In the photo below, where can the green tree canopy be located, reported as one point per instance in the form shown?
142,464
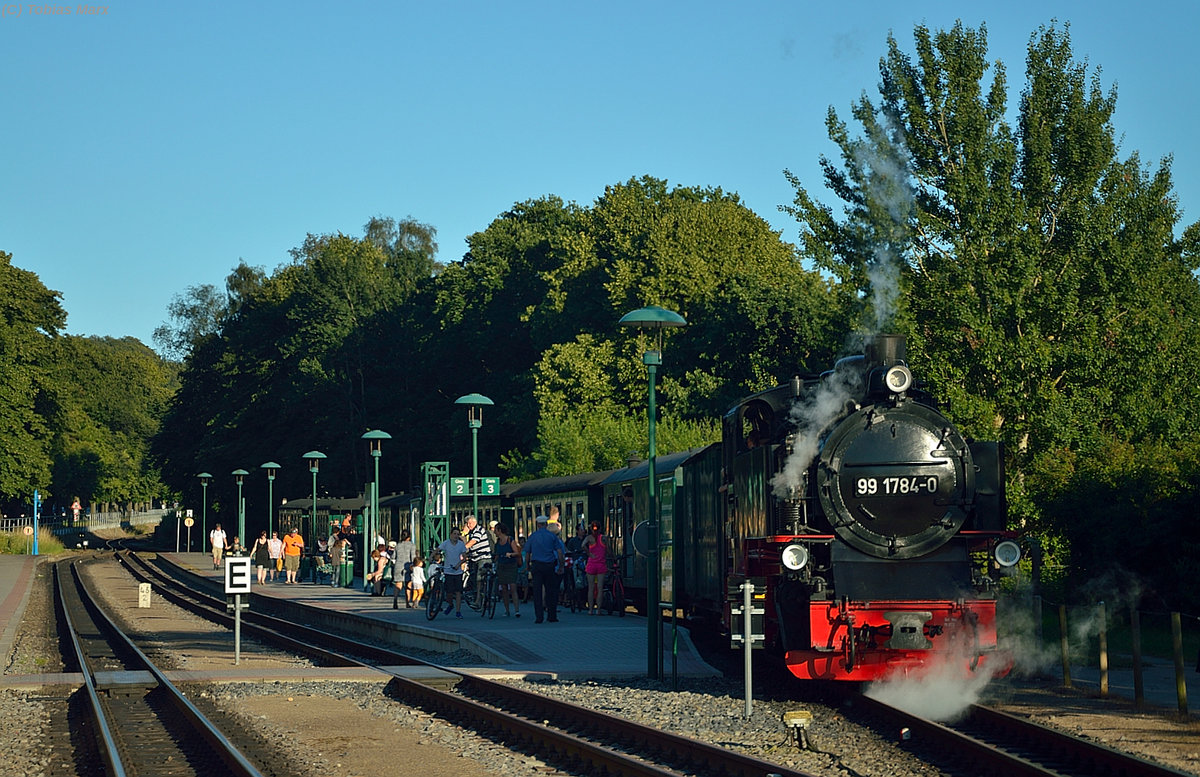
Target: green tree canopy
110,395
31,316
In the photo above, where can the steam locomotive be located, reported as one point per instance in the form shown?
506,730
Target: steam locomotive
875,528
872,529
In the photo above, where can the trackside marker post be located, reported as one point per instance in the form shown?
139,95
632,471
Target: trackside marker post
750,635
237,582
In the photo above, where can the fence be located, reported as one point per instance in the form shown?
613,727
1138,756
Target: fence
87,522
1086,634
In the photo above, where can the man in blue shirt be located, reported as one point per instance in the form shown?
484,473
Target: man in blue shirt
454,551
545,554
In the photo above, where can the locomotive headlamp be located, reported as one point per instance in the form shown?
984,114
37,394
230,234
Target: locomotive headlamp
898,379
1007,553
794,557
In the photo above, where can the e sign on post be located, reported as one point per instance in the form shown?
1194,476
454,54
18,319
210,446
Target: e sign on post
237,574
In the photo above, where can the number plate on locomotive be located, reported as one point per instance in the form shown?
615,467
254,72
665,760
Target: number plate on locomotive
914,485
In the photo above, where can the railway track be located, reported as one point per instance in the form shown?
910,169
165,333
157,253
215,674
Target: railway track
142,723
994,742
585,741
575,738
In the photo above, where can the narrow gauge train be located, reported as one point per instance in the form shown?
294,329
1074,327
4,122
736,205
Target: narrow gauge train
874,528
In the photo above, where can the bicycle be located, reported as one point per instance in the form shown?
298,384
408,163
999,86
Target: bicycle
489,592
612,597
485,603
435,593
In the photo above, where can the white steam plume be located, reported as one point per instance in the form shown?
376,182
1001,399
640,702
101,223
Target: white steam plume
884,165
811,417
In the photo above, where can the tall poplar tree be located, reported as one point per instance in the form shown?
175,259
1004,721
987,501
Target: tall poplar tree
1037,272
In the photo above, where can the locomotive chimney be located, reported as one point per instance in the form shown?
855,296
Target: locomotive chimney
884,350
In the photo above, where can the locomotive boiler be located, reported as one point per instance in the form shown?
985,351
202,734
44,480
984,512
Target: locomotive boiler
873,528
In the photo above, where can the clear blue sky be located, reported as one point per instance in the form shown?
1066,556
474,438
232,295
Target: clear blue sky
151,148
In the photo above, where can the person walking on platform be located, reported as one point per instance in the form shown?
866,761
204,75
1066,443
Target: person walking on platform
508,557
217,538
262,556
275,551
545,553
479,551
416,584
454,557
597,565
293,545
406,554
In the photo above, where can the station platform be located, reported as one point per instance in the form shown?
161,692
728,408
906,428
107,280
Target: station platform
577,646
16,580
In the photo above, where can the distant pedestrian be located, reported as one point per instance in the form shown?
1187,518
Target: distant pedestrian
545,554
405,555
508,558
275,551
416,582
379,564
293,546
597,565
337,557
216,538
479,551
454,558
262,556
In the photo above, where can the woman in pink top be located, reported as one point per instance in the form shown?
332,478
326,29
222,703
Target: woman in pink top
597,565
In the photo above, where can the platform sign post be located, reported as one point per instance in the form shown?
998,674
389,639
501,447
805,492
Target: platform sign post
237,582
189,522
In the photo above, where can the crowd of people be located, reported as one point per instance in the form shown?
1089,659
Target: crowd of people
540,560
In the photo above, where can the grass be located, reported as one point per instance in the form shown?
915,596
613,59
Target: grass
17,543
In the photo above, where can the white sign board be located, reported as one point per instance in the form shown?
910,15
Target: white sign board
143,594
237,574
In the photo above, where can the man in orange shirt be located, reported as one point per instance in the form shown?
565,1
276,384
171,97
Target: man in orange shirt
293,544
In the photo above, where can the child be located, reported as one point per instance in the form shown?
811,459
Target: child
416,586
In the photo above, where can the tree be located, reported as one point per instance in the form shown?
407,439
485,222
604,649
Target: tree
532,312
110,395
30,318
1037,273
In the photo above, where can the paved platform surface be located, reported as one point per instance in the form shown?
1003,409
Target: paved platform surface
16,579
578,645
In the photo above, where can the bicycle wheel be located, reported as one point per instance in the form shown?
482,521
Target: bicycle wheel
489,597
433,600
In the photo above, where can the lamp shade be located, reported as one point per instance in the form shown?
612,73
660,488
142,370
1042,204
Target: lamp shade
473,399
653,317
376,434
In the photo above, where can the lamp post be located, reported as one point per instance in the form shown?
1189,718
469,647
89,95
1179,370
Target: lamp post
475,404
270,467
375,438
655,319
314,463
204,478
240,474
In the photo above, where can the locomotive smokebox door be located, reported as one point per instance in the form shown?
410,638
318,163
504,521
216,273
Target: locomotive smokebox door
894,480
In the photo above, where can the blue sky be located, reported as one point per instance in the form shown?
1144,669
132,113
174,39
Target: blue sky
152,147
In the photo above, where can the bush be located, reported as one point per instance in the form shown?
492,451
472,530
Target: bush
17,543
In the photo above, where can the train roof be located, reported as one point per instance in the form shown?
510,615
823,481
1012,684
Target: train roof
555,484
662,464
